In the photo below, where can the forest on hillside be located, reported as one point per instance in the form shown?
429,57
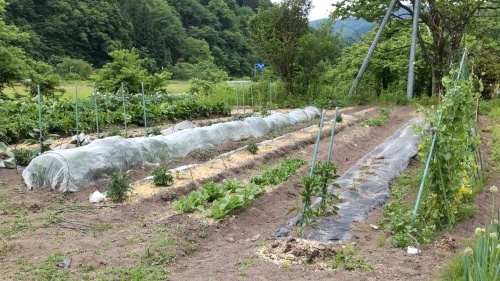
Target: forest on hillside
42,41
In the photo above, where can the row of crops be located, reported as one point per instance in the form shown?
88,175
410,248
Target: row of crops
19,117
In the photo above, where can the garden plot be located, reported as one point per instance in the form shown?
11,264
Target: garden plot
230,162
146,237
363,187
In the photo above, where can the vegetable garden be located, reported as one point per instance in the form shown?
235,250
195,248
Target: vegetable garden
207,211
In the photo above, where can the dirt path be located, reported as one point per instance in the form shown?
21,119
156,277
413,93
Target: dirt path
218,257
198,248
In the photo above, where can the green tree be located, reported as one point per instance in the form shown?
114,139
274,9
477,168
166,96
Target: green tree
316,51
127,68
276,34
445,20
70,68
13,66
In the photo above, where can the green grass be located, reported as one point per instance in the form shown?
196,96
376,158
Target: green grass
178,86
454,270
85,88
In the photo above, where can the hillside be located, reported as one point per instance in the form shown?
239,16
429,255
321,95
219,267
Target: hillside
351,29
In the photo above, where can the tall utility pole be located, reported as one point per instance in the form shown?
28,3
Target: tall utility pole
411,68
372,47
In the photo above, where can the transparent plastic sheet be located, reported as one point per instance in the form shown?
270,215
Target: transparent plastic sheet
68,170
373,175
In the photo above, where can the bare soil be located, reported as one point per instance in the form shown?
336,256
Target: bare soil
104,235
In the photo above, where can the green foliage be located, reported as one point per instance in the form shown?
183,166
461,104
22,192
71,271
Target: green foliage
44,271
192,202
118,187
348,259
162,177
127,68
276,33
482,261
252,148
447,22
451,184
73,69
231,195
20,116
274,176
317,186
214,191
23,157
114,132
379,120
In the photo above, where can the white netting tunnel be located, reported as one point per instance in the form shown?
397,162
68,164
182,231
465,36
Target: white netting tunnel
68,170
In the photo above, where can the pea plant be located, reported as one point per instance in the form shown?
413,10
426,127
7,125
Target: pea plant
452,179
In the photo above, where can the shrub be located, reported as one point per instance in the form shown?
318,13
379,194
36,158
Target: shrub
118,187
252,148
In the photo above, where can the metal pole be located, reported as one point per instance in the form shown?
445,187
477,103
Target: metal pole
243,92
144,107
316,147
270,96
76,117
251,91
96,114
372,47
413,50
124,112
333,135
237,104
40,119
427,164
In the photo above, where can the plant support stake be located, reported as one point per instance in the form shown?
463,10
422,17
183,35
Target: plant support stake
317,143
243,92
96,112
270,96
144,108
237,104
76,117
426,170
40,119
251,91
124,112
330,148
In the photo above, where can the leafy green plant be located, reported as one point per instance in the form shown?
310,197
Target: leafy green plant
214,191
274,176
193,201
23,157
379,120
223,206
317,186
162,177
348,258
325,172
252,148
114,132
118,187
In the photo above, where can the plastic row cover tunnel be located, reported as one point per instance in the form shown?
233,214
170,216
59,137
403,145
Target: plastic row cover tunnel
67,170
